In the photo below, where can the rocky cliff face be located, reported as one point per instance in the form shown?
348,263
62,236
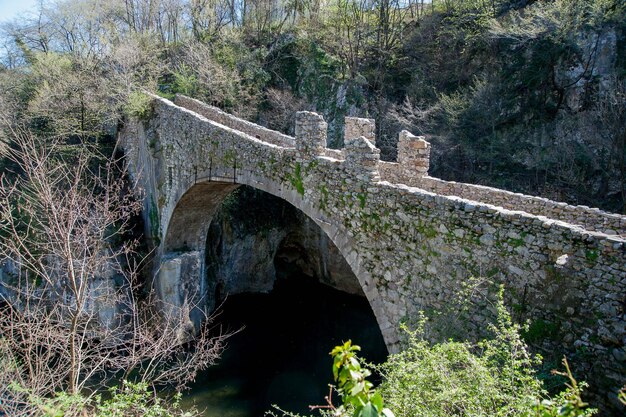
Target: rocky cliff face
257,239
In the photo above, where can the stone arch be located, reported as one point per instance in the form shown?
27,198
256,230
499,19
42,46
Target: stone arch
186,229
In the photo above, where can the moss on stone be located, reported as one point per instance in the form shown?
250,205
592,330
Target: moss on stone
540,329
296,179
155,227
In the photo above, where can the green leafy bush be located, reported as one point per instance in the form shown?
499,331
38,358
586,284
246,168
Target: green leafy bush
130,400
494,377
185,81
138,400
568,403
356,391
138,105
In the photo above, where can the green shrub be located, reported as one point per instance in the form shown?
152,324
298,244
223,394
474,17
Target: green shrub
357,393
130,400
138,400
568,403
494,377
139,105
185,81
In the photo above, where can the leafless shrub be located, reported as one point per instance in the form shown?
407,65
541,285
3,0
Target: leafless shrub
283,105
70,317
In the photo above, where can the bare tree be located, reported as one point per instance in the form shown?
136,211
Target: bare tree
70,316
208,17
351,26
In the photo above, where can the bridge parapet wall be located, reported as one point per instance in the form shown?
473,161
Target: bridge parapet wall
362,159
361,155
226,119
355,127
413,155
591,219
412,165
311,130
412,169
334,153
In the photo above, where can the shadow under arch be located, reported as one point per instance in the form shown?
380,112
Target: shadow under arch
257,241
187,227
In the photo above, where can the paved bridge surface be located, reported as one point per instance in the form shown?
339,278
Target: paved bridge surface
412,241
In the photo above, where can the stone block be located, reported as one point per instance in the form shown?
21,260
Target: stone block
362,157
356,127
413,153
311,131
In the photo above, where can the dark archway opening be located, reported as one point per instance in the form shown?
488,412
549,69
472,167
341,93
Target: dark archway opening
278,275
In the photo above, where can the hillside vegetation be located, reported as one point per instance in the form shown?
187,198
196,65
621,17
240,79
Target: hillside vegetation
520,94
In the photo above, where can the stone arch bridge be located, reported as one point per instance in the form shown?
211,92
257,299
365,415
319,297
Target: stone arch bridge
411,240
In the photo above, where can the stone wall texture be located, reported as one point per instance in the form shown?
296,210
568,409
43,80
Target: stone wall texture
414,242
